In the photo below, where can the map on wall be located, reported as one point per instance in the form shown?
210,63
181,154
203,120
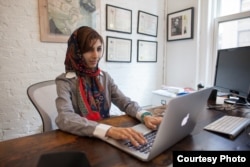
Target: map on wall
59,18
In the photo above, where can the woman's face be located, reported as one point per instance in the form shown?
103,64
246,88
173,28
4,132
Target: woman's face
93,56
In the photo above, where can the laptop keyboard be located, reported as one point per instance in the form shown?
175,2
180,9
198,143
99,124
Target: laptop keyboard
150,137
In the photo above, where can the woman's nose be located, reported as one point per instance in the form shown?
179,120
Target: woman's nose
95,54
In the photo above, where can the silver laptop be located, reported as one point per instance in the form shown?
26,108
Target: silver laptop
178,121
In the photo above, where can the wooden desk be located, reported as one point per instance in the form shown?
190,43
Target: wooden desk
26,151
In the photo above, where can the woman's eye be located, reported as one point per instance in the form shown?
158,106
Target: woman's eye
99,49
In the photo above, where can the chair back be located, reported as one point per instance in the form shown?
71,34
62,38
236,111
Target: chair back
43,96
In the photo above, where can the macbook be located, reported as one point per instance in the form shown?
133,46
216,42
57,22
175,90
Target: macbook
178,121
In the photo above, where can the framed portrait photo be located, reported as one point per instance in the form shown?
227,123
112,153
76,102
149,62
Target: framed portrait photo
180,25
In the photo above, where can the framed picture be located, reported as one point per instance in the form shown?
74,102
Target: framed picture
59,19
118,49
180,25
146,51
147,24
118,19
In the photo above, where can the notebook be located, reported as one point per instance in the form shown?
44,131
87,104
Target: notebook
228,125
178,121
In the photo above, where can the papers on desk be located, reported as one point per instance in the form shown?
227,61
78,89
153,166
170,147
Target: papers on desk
171,89
164,93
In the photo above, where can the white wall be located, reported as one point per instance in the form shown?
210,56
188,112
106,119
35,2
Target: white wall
182,60
138,77
25,60
189,62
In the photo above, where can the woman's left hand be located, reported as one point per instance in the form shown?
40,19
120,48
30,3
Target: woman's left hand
152,122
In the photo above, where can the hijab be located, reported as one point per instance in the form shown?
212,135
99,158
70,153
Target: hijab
90,93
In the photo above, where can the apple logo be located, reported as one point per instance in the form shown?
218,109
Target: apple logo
185,120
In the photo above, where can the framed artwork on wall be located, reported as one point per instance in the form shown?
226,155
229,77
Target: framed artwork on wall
118,49
180,25
58,19
147,24
146,51
118,19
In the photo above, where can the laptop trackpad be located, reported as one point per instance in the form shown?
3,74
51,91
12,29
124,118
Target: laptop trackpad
142,129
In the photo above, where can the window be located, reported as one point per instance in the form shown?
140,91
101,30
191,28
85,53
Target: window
231,29
228,7
233,24
234,33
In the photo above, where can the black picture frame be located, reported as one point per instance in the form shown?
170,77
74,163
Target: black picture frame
180,25
147,24
118,49
118,19
147,51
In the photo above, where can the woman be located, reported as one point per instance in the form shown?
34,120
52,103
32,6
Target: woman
85,93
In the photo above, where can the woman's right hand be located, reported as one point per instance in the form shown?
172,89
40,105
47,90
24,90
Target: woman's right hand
130,134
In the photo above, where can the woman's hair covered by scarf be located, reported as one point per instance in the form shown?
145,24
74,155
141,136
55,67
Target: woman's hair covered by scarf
80,42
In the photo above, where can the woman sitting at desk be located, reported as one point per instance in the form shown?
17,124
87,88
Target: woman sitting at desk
85,93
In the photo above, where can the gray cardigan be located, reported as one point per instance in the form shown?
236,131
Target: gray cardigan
68,118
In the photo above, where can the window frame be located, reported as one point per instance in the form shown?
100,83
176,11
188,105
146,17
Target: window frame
217,21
